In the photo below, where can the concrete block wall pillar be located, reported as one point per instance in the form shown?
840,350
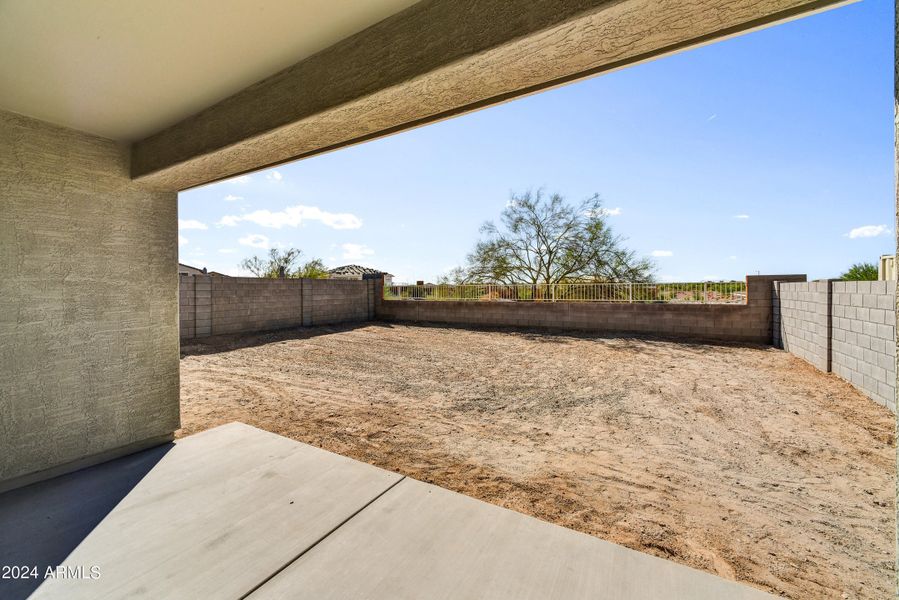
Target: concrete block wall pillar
776,324
372,289
378,297
829,333
202,305
187,316
299,303
760,298
306,301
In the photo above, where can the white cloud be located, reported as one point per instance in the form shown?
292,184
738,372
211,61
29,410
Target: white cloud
190,224
741,217
182,241
229,221
867,231
240,179
227,250
294,216
713,117
732,257
232,198
274,176
662,253
254,240
356,251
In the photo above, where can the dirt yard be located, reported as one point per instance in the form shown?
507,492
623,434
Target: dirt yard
742,461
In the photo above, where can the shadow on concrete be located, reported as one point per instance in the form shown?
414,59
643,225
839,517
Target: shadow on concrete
235,341
41,524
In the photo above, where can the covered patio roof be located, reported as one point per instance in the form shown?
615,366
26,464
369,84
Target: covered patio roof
202,93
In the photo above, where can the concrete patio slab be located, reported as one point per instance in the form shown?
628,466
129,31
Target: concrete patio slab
236,512
422,541
210,516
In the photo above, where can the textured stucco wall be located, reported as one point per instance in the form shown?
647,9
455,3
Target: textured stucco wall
88,301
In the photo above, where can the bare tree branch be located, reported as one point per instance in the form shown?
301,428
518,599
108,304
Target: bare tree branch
546,240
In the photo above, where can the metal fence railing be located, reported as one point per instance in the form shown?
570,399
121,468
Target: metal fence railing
721,292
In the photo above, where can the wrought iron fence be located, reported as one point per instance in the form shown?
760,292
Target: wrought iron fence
720,292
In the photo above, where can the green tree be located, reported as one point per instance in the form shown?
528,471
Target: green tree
546,240
314,269
863,271
283,263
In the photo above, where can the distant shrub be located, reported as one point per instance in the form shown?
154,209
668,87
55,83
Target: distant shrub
861,272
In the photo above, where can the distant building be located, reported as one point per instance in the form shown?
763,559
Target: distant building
886,268
189,270
357,272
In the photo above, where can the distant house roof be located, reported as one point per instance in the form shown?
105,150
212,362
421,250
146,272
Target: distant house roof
189,270
356,270
182,268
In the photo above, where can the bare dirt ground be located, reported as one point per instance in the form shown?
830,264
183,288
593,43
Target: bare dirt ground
742,461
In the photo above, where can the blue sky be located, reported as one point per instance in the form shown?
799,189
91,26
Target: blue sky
771,152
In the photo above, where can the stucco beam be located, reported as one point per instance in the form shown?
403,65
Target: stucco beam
434,60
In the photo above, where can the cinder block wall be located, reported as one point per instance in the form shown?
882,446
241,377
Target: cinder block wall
337,301
212,305
750,322
864,337
243,304
846,327
802,320
89,317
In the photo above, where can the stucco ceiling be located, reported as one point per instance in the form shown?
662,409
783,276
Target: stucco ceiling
124,69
